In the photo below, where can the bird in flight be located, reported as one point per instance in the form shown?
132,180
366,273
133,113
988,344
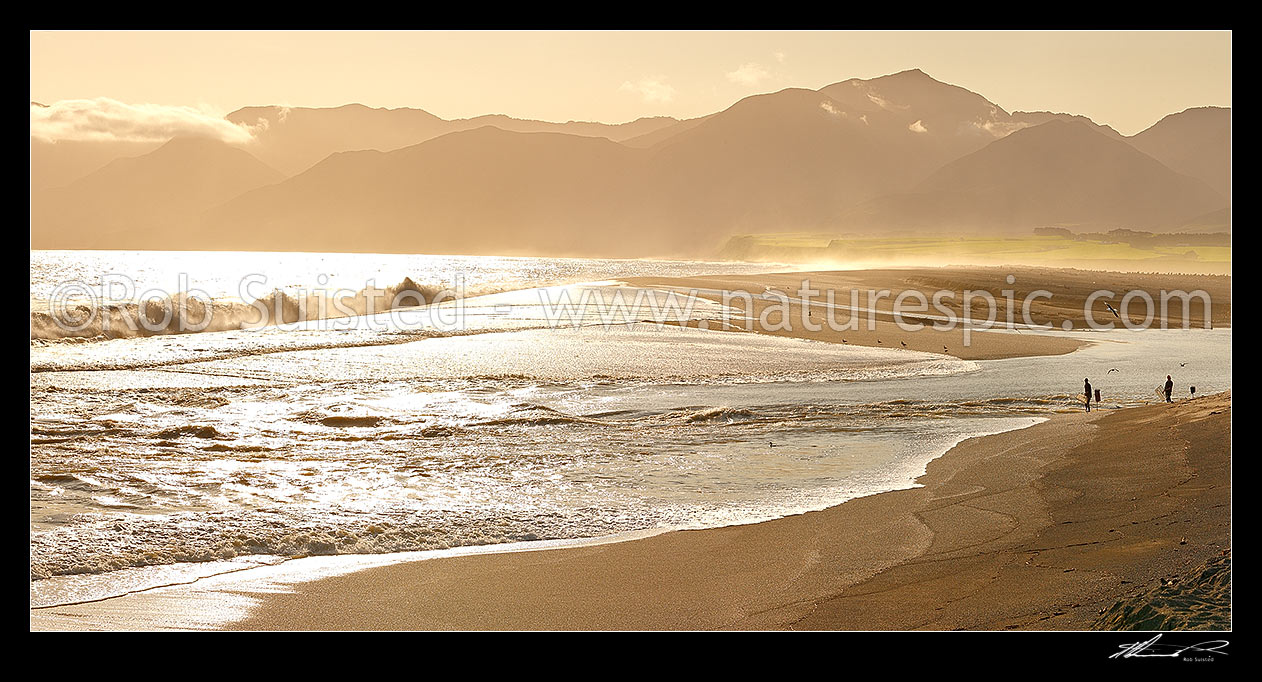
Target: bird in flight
1106,305
1112,370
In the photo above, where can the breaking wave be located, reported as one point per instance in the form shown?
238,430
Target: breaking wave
120,542
182,314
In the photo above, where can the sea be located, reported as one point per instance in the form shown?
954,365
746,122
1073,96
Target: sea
199,413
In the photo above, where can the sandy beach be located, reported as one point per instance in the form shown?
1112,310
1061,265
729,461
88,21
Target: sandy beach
1069,524
1117,518
607,330
1043,528
1069,290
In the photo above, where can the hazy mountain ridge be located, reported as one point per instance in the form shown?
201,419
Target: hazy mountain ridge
294,139
1033,118
57,164
147,199
903,152
1195,142
483,189
1059,173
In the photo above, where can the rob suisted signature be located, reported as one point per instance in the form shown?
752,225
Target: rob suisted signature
1151,649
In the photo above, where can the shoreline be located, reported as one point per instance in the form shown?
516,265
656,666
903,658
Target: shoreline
1069,290
1026,529
899,533
286,572
1072,285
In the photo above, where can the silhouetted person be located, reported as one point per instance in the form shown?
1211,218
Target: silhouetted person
1097,399
1193,391
1086,391
1169,388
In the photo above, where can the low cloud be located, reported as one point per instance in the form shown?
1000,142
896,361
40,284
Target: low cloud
884,103
651,88
998,128
104,119
827,105
749,74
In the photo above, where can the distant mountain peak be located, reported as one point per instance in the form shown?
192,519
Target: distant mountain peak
1195,142
1063,131
1056,124
910,73
1205,109
204,146
1192,113
192,141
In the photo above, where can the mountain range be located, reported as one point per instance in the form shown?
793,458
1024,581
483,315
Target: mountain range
901,153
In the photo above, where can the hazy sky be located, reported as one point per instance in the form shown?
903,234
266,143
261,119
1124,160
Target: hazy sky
1128,80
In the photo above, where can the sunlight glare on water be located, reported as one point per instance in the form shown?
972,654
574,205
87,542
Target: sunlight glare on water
223,447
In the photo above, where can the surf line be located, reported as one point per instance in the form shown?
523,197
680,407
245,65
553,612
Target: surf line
150,588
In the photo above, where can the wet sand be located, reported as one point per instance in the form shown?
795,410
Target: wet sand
1069,291
1068,524
1048,527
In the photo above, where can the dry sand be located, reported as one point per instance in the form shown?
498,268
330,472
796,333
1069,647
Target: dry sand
1048,527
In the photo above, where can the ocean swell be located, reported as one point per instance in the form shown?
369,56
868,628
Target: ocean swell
181,313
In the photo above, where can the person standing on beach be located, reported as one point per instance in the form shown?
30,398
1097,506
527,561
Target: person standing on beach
1086,391
1169,388
1097,399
